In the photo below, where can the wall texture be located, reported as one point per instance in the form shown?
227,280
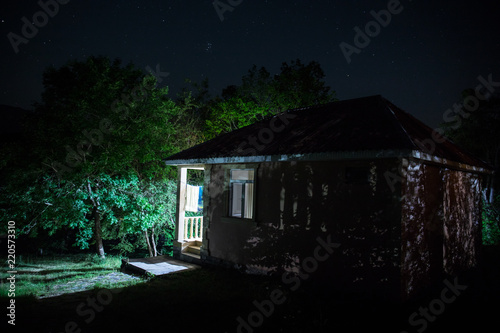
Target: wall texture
441,224
397,238
348,201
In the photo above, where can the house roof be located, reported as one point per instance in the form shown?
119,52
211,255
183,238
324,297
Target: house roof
368,127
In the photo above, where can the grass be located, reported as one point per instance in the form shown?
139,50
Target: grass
55,275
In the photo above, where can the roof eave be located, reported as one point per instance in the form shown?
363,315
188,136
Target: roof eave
416,154
329,156
333,156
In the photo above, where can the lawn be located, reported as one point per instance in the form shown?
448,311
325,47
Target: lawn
219,300
41,277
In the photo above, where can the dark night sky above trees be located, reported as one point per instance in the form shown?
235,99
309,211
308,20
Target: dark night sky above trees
421,60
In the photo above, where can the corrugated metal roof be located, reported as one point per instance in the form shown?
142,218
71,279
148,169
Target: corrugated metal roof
338,128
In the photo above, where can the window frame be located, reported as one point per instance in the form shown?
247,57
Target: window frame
228,217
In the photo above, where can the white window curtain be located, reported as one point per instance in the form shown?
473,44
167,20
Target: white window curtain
248,201
236,203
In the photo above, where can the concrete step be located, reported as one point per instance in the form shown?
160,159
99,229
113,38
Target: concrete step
191,258
194,249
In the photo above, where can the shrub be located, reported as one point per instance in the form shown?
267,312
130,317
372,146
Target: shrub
491,222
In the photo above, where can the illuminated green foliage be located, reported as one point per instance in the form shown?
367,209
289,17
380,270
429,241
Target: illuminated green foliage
261,95
96,146
491,222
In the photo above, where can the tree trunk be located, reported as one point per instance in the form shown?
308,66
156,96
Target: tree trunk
97,222
148,243
153,242
98,233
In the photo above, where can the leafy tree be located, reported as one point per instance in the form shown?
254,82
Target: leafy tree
98,137
300,85
261,95
476,127
153,202
234,113
195,100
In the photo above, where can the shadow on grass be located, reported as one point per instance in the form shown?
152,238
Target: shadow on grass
43,277
55,271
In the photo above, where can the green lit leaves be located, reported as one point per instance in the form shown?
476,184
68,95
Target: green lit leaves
491,222
261,95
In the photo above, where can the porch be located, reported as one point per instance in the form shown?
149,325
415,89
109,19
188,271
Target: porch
192,240
189,229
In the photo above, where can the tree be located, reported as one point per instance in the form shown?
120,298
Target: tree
261,95
476,127
153,202
195,100
98,136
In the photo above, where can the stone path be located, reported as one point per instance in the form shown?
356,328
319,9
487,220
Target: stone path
115,279
160,265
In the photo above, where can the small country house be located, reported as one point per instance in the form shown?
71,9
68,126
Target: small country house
403,206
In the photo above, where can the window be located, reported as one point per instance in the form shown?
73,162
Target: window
241,193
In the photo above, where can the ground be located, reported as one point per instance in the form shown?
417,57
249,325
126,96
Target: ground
88,284
218,300
50,276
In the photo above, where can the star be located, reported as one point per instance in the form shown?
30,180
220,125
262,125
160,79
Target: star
208,47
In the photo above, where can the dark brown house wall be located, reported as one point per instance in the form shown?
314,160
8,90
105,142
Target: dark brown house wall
224,236
348,202
441,224
462,224
422,227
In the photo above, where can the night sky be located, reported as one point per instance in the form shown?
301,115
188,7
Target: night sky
421,60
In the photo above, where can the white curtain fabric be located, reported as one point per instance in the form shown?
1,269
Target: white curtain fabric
248,200
192,196
236,203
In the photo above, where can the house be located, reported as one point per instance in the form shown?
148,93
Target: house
403,207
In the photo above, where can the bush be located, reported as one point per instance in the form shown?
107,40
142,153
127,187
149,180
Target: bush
491,222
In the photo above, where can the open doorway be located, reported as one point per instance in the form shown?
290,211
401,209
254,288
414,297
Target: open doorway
189,224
